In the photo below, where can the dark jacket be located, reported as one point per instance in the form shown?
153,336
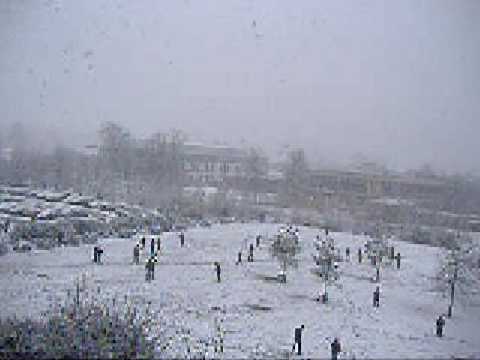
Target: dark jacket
336,348
298,334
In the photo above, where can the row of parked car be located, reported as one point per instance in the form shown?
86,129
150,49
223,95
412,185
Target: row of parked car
32,218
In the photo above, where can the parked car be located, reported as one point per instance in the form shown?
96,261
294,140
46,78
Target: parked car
22,246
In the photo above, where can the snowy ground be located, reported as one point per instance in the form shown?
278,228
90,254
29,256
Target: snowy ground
186,290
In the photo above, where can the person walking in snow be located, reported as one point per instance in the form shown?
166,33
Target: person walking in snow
60,238
218,269
99,255
440,324
153,260
148,270
95,254
152,247
298,339
398,260
347,253
182,239
336,348
392,253
159,244
376,297
359,255
250,255
239,261
143,242
258,240
136,254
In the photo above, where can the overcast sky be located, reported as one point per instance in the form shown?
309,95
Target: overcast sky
398,81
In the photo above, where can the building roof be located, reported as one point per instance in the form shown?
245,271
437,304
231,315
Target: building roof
229,152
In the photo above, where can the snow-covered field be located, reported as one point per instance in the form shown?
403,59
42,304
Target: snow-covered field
186,295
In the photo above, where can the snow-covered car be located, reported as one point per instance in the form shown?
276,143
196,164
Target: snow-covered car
22,246
205,223
226,220
45,243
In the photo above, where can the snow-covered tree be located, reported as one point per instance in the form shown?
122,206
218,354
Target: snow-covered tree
326,258
460,266
284,249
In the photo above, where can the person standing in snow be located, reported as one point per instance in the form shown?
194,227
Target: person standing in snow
376,297
239,261
136,254
152,247
159,244
398,260
359,255
148,271
258,240
153,260
298,339
143,242
95,254
217,267
347,253
60,238
336,348
440,325
392,253
250,255
182,239
99,255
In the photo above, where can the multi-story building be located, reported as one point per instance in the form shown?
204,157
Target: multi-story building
215,164
368,184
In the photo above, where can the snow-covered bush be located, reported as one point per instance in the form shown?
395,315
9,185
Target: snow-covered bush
429,236
88,331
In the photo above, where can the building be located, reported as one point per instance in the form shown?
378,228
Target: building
213,164
374,185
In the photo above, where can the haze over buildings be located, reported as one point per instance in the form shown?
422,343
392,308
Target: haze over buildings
396,81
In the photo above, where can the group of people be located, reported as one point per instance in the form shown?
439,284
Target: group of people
154,253
250,250
335,346
151,260
97,254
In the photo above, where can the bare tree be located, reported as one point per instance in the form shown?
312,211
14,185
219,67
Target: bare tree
255,169
19,156
2,157
296,172
115,160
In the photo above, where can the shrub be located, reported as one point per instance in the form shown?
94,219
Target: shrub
3,248
77,331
